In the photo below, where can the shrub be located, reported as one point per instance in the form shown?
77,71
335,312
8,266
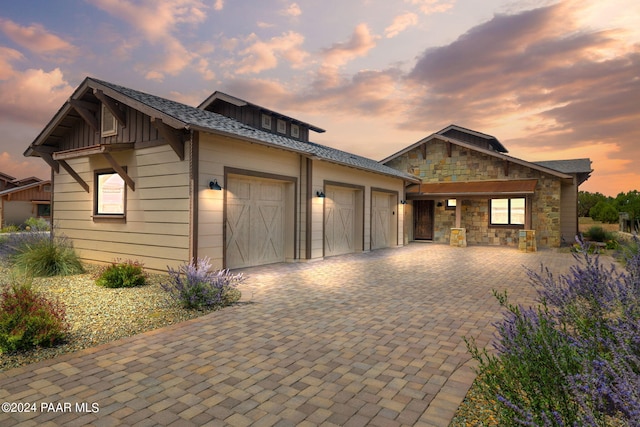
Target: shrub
122,274
37,224
10,229
28,319
599,234
41,256
195,285
575,359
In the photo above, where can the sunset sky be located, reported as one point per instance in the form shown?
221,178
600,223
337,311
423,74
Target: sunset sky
551,80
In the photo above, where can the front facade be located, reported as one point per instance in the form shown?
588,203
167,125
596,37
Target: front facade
470,186
141,177
21,199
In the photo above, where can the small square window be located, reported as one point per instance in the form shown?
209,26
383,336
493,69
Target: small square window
295,131
266,121
282,126
450,204
44,210
109,124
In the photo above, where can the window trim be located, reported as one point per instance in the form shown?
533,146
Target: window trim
104,116
509,224
449,207
113,217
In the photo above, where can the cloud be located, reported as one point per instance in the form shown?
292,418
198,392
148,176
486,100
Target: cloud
218,5
7,57
429,7
263,55
360,43
400,23
22,167
36,38
33,96
161,23
538,70
293,10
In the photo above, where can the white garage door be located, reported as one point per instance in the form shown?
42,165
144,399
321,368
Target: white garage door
381,220
339,221
255,222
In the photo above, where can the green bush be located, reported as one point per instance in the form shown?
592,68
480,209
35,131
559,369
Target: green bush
28,319
122,274
10,228
599,234
39,255
37,224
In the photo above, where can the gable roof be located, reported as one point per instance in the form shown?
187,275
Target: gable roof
541,168
468,135
579,167
178,115
23,187
242,103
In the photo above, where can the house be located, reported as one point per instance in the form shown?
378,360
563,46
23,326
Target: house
21,199
141,177
471,191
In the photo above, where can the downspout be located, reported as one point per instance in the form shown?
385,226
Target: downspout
194,187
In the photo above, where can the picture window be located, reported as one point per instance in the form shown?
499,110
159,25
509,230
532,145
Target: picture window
507,211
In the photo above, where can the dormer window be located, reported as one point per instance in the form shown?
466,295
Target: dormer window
295,131
282,126
109,124
266,121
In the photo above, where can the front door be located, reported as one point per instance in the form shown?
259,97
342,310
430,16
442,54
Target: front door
423,219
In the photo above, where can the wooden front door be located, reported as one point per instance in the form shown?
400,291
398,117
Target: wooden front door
423,219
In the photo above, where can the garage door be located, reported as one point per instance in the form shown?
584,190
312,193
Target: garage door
339,221
255,222
382,220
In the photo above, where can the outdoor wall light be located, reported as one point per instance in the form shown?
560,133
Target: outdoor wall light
320,194
403,202
439,204
214,185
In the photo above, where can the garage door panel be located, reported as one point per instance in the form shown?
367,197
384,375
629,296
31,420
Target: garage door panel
255,222
340,212
381,217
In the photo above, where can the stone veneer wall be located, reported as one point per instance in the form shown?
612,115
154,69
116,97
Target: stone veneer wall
470,165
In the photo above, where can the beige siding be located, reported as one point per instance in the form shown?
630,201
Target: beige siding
157,216
569,212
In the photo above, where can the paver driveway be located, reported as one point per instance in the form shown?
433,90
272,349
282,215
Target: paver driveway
364,339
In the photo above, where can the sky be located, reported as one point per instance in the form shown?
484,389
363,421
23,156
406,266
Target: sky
549,79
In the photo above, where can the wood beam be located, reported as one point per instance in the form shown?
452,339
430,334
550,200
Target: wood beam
458,213
424,151
111,105
86,114
506,168
120,170
448,149
49,159
74,175
170,136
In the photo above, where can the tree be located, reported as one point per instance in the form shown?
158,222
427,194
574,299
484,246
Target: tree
604,211
587,200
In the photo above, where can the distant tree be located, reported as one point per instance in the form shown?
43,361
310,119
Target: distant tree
629,202
587,200
604,211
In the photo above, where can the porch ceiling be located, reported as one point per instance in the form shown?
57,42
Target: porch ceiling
472,189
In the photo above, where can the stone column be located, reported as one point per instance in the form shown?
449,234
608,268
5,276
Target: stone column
527,241
458,237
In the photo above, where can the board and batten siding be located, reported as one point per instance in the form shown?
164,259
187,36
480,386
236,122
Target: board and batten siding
218,155
325,173
156,230
568,212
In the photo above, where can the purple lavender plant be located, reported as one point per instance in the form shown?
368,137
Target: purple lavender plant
195,285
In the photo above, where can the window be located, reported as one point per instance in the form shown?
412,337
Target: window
266,121
450,204
108,125
295,131
110,195
44,210
507,211
282,126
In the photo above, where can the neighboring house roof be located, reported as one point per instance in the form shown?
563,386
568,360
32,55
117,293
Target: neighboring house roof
467,135
474,147
23,187
241,103
179,115
6,177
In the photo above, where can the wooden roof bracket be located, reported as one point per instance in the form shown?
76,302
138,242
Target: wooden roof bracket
169,134
120,170
424,151
86,114
448,149
506,167
45,155
111,105
74,175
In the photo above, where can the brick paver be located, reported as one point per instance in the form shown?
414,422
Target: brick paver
362,339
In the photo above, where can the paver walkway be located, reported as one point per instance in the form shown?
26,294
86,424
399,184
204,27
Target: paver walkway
365,339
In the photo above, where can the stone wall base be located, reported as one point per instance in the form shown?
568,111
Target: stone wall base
527,241
458,237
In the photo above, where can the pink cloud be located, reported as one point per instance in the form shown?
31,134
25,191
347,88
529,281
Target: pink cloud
36,38
22,167
33,96
429,7
263,55
360,43
400,23
292,10
7,57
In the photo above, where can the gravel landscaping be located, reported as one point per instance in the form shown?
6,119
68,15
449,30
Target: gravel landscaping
98,315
